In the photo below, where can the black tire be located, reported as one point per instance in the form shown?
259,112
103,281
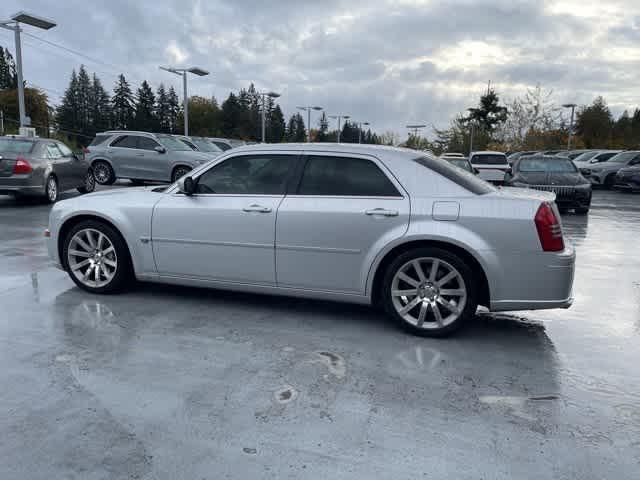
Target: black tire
582,210
179,171
610,181
51,191
103,173
123,275
453,260
89,183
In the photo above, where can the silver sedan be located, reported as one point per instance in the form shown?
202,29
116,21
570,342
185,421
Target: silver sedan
425,240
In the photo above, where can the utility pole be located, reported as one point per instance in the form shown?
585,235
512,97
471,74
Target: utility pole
264,95
308,110
339,117
183,72
572,106
14,24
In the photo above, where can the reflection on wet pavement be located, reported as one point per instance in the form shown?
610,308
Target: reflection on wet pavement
168,382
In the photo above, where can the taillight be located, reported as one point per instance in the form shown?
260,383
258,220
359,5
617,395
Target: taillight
22,166
549,229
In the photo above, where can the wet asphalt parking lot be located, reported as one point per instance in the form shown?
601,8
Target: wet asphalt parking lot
168,382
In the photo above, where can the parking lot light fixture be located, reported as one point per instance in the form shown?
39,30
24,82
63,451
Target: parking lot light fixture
14,25
572,106
360,125
264,95
201,72
308,110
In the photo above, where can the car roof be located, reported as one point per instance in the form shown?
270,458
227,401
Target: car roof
348,148
487,152
127,132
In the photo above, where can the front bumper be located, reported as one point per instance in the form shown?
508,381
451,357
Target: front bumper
535,282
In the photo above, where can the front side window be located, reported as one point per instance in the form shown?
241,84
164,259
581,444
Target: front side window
53,151
605,156
340,176
125,141
66,151
146,143
206,146
247,175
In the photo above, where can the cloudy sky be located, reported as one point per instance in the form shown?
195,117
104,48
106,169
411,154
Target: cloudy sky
389,62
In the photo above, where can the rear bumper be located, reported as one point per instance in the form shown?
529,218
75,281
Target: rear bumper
22,185
535,282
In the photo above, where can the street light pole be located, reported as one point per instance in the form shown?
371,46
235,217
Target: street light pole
264,95
183,73
360,124
33,20
572,106
339,117
308,109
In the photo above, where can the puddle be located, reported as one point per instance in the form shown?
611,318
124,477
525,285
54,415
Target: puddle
286,394
334,363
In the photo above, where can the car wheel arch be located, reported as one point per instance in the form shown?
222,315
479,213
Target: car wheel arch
384,260
71,222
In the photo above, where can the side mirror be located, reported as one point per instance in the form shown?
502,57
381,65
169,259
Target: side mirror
160,149
187,186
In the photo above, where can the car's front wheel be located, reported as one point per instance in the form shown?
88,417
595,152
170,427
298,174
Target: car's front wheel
89,183
96,257
429,291
51,190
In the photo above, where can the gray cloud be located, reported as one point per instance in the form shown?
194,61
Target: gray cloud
388,62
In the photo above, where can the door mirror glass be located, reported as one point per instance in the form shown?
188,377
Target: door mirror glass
187,185
160,149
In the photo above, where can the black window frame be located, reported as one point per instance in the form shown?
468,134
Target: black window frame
306,159
295,159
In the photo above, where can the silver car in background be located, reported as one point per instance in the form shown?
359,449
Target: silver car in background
141,156
426,240
41,167
604,173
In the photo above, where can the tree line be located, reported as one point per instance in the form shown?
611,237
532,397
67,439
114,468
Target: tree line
534,121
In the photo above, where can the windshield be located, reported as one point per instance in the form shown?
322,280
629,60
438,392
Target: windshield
586,156
175,145
488,159
205,145
10,145
459,162
549,165
457,175
623,157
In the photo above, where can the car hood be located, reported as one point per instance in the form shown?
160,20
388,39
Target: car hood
194,156
546,178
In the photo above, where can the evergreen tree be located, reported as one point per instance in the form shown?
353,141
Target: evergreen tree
594,123
173,104
84,103
162,110
8,74
295,129
489,113
231,117
100,107
66,114
323,129
145,117
276,127
122,104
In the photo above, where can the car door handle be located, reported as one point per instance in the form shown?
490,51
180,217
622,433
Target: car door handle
382,212
256,208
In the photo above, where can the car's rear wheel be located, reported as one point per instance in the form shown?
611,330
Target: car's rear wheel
429,291
89,183
103,173
96,257
178,172
51,190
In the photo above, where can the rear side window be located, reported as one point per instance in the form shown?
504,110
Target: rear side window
145,143
66,151
126,141
53,151
9,145
99,140
340,176
223,146
466,180
482,159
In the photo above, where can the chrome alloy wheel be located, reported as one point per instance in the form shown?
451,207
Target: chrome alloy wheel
92,258
428,293
52,189
101,173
